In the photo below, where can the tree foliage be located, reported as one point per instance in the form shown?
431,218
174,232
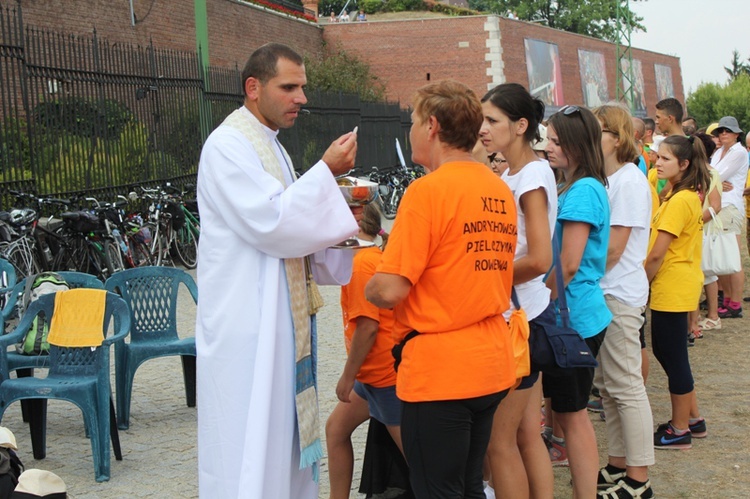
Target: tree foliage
737,67
595,18
711,101
340,71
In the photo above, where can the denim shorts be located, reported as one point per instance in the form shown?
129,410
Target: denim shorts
383,403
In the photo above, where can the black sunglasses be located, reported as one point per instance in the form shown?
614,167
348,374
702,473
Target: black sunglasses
493,157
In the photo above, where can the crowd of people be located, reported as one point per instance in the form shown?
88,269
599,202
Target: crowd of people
344,17
616,205
628,218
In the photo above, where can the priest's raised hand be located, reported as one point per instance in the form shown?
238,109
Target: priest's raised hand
341,154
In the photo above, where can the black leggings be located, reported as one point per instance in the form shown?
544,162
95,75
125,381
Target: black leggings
445,443
669,342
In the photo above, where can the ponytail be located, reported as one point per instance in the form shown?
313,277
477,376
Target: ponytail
384,236
371,225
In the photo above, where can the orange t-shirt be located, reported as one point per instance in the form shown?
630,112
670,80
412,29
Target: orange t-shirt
377,369
454,239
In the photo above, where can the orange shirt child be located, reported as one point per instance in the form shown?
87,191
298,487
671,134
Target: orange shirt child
454,239
377,369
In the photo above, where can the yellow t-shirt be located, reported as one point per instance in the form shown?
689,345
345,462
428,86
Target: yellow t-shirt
454,239
676,287
654,200
747,199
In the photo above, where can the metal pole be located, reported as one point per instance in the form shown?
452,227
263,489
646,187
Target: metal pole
132,14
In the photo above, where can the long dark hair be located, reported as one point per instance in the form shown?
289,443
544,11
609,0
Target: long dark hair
580,137
516,103
695,177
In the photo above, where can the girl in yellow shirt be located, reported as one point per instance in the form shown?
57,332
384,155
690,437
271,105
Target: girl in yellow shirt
673,267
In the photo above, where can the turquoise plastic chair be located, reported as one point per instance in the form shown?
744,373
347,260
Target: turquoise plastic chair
7,276
78,375
151,295
25,364
7,281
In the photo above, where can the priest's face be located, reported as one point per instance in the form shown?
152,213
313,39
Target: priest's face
279,100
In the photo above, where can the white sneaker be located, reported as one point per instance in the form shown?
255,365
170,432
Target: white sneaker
707,324
489,492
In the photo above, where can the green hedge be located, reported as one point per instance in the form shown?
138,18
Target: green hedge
375,6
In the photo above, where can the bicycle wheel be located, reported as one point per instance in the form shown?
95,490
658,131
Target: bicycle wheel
139,252
186,244
72,255
102,267
113,257
390,204
159,244
22,259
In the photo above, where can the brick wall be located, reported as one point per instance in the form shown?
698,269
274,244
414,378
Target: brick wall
401,53
235,28
460,48
407,51
514,57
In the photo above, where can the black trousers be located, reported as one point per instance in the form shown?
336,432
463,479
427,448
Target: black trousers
445,443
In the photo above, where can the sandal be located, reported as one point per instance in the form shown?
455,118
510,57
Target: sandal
709,324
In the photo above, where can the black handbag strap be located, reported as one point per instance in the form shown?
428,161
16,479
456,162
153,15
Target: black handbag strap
561,301
514,298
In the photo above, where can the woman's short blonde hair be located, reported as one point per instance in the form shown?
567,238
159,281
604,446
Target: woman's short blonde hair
619,121
455,107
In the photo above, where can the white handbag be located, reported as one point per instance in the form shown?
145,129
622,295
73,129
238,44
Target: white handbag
721,253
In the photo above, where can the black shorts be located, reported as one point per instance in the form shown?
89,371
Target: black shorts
569,389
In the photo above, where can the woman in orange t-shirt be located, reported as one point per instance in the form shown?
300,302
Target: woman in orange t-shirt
447,273
367,387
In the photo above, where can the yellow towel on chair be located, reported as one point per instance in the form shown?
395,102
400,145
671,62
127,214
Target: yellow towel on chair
78,319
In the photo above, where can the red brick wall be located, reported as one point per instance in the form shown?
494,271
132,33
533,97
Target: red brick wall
401,53
235,29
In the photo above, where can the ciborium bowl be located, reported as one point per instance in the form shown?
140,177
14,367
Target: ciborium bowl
357,191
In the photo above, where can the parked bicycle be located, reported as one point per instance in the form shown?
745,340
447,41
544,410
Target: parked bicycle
393,183
174,227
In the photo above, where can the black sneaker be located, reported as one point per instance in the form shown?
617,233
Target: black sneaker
666,438
698,429
607,478
730,313
621,490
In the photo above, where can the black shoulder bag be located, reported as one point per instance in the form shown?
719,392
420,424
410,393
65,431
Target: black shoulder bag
559,347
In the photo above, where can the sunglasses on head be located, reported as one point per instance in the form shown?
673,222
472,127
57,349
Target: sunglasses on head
568,110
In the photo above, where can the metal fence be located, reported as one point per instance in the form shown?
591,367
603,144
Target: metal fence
80,114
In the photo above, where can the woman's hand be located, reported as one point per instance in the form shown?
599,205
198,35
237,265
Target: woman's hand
344,387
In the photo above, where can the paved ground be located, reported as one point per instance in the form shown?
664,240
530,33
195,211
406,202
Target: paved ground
159,448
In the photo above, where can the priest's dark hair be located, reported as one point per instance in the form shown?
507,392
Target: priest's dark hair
262,63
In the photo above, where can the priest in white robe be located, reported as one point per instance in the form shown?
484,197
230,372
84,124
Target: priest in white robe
258,434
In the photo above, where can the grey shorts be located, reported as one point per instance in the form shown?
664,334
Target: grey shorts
383,403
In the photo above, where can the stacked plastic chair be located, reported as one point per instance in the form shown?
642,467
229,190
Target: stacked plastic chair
80,375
